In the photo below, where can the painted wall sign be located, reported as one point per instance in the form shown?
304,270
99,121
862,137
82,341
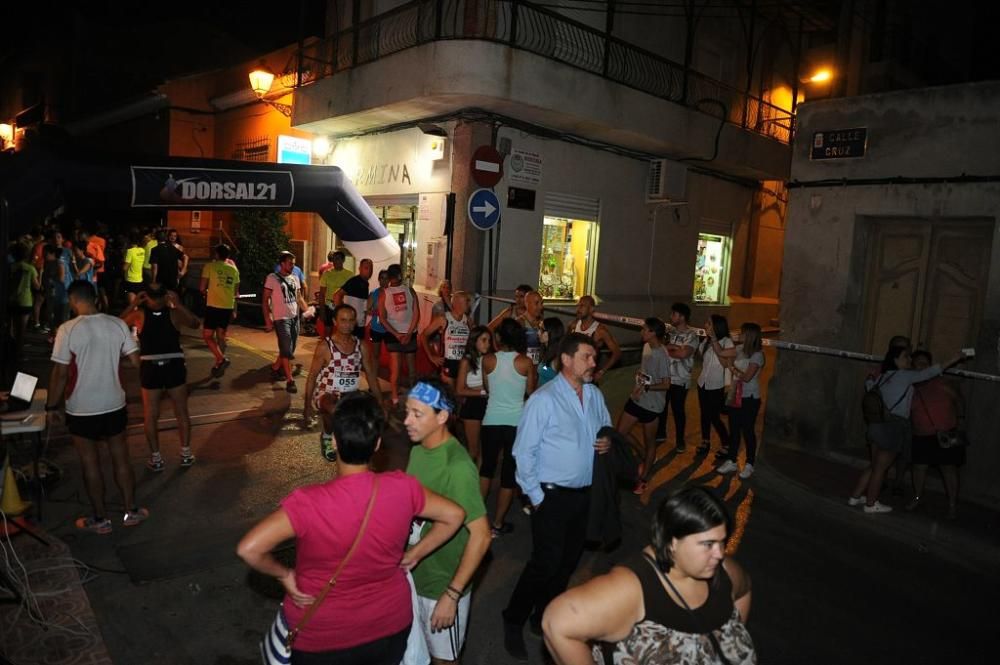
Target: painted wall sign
524,167
159,186
392,164
840,143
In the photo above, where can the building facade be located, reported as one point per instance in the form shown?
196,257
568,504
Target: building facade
901,239
626,174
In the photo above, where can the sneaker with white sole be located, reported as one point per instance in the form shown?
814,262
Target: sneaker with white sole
187,458
878,507
136,516
747,471
156,464
101,525
857,500
727,467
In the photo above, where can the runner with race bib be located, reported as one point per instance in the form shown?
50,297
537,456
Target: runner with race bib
335,371
531,320
453,327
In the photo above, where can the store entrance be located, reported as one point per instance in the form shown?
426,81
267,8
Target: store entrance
400,218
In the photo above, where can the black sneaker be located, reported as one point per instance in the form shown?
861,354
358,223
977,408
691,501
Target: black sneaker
290,387
218,371
277,374
513,641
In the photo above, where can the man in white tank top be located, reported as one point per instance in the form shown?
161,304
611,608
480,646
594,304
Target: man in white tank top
597,331
398,312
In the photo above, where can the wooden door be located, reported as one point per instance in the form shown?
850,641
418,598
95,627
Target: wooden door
927,280
956,287
896,281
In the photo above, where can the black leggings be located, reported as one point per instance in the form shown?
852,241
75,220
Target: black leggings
494,439
676,397
383,651
742,421
711,403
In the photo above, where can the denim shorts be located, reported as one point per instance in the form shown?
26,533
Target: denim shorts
287,331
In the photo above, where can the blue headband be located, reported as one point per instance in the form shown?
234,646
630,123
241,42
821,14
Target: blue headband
431,396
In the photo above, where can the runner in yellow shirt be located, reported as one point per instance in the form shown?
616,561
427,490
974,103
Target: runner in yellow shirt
220,282
330,283
135,256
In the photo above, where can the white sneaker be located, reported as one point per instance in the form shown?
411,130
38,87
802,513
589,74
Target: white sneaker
727,467
878,507
747,471
856,500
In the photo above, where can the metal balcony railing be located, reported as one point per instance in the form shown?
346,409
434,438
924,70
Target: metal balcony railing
523,25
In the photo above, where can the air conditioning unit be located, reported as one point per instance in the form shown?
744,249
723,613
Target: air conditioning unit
666,182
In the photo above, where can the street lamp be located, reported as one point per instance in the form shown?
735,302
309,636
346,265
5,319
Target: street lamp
261,80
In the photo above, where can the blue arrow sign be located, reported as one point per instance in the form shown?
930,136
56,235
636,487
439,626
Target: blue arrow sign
484,209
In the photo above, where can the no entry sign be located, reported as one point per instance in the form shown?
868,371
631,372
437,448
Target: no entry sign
487,166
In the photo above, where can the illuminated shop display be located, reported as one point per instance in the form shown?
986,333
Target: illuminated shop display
569,254
711,269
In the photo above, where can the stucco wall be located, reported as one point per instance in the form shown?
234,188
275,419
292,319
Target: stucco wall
814,402
646,253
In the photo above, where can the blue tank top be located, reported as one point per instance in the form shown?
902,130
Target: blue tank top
546,373
376,324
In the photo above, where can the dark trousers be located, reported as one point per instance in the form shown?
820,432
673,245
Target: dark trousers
383,651
711,404
676,397
741,422
558,531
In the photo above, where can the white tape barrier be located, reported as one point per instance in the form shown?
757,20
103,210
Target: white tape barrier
776,343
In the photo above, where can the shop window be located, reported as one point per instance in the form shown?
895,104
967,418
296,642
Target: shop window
569,257
711,269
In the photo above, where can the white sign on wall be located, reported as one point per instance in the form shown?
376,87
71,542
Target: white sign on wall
524,167
389,164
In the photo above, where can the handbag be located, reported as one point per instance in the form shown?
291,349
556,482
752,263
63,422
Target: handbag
734,394
946,438
276,647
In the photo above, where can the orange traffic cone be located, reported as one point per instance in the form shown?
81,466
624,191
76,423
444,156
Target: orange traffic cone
11,502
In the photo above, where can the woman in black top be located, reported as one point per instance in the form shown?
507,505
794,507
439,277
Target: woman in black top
679,600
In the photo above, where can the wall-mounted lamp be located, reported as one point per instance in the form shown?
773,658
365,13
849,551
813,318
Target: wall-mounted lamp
821,76
321,147
261,80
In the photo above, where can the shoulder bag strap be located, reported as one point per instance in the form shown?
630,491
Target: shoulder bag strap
927,411
711,635
293,633
901,397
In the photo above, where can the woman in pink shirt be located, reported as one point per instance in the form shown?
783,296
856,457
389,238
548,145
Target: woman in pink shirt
367,614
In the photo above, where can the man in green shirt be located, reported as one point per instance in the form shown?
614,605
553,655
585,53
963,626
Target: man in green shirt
220,282
329,283
442,465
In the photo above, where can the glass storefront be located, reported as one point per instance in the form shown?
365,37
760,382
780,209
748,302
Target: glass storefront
711,270
401,221
569,256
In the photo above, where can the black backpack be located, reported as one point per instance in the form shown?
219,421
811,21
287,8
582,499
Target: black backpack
873,404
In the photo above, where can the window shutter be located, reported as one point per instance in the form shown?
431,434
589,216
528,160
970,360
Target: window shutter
570,206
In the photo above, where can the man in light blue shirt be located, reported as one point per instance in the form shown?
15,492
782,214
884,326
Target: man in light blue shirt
554,449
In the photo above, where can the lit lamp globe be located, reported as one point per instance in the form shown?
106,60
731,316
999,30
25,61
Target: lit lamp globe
261,79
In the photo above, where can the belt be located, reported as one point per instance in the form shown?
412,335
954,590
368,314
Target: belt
551,487
162,358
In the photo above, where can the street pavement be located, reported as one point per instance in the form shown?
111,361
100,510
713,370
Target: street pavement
830,584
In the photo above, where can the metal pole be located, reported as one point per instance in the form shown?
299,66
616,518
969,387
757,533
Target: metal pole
449,230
